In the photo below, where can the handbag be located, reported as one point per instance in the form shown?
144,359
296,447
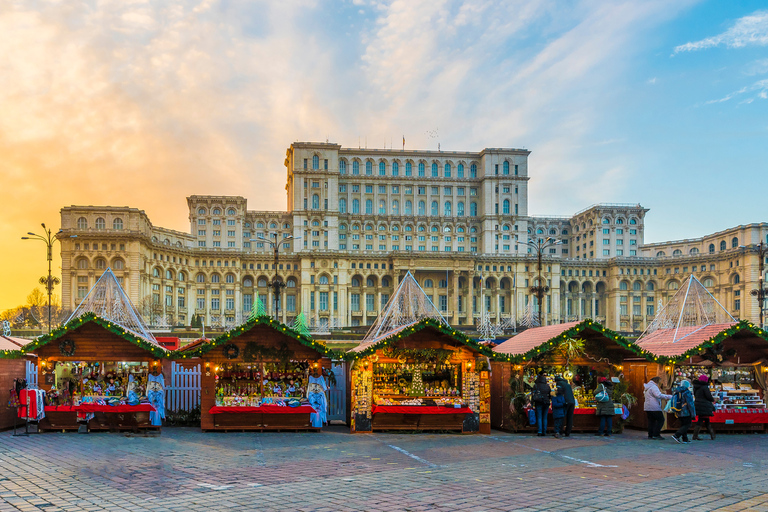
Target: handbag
531,417
602,396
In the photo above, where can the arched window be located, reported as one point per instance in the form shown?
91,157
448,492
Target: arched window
606,221
637,286
650,286
368,206
408,207
385,282
734,240
117,224
711,248
633,221
216,211
623,285
181,276
723,245
708,282
118,264
660,254
82,223
101,223
447,209
355,282
434,170
736,279
677,252
200,278
473,209
291,283
427,283
694,250
273,225
422,208
262,282
342,205
434,208
539,231
460,171
505,227
82,264
434,229
369,168
315,162
231,211
619,221
447,171
155,272
248,282
673,285
169,274
473,171
356,167
422,169
382,207
230,278
506,168
323,279
395,207
101,264
395,169
201,211
382,169
342,167
315,202
408,169
505,206
215,278
460,209
355,206
370,283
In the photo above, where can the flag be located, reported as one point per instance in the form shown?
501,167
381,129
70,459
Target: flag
403,142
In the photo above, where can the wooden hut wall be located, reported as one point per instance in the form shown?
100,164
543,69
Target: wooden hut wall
10,369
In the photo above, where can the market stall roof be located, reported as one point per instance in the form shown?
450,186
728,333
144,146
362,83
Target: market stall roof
149,345
108,301
690,310
701,340
407,306
13,343
536,341
200,342
367,347
203,345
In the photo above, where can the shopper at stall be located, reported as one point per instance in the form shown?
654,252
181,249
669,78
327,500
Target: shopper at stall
156,395
653,398
570,403
705,409
558,410
605,409
683,407
540,396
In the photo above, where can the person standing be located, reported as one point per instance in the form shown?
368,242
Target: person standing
558,410
652,407
540,399
705,408
684,409
605,409
570,403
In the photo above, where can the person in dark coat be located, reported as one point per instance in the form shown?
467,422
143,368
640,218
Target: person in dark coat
541,391
685,411
558,410
570,403
605,410
705,408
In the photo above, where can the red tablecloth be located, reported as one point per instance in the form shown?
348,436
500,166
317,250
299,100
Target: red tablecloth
60,408
116,408
28,395
741,416
585,410
264,409
419,409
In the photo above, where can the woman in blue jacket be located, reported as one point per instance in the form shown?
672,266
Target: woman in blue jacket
685,410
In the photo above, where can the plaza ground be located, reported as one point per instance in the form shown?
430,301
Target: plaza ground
184,469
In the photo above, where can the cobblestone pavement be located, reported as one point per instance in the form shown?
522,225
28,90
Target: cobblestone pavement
184,469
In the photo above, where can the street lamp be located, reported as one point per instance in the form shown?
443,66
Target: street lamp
50,281
540,289
277,284
761,293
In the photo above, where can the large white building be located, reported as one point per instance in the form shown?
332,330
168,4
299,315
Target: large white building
357,219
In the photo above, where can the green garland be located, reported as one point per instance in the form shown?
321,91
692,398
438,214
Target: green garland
418,326
268,321
86,318
537,352
12,354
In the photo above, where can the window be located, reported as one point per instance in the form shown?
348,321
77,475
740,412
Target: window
323,301
395,168
382,169
447,209
342,205
422,169
315,202
460,171
356,167
473,171
711,248
368,206
473,209
408,207
447,171
734,240
354,300
422,208
505,207
315,162
434,170
506,168
117,224
460,209
408,169
382,207
395,207
355,206
434,208
342,167
369,168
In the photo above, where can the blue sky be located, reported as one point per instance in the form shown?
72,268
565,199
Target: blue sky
143,102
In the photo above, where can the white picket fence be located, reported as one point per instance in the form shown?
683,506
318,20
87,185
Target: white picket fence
183,391
31,375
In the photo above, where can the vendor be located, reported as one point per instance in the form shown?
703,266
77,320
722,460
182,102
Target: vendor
156,394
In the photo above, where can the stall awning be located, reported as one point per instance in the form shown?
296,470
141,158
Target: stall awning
532,338
662,341
12,343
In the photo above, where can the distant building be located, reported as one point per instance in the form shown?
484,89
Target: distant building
360,218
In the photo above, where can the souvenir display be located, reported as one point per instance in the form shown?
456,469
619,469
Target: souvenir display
254,384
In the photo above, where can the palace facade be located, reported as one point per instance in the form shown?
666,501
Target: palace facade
358,219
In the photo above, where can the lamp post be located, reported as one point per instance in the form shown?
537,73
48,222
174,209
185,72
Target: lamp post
540,289
760,293
276,284
50,281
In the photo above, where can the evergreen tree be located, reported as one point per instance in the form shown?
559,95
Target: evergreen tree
300,324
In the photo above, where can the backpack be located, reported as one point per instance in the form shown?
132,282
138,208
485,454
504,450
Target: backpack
679,404
537,395
603,396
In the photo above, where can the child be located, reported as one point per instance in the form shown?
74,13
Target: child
558,410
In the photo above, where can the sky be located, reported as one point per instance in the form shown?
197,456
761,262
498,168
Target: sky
141,103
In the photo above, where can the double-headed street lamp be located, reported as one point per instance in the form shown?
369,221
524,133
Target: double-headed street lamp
276,284
760,293
50,281
540,289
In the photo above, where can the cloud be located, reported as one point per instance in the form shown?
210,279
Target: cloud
760,88
651,81
751,30
758,67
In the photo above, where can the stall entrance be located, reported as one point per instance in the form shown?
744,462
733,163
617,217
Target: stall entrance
337,393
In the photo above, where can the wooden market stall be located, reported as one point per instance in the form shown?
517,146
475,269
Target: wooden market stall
422,376
96,374
580,351
262,375
13,367
734,355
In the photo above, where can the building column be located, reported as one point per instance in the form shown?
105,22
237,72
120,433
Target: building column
455,298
